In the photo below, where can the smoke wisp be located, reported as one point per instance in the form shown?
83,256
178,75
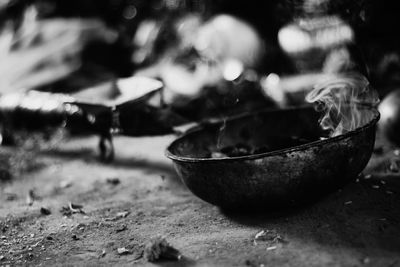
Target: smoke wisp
343,100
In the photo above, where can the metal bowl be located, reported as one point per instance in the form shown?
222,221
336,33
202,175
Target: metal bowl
285,177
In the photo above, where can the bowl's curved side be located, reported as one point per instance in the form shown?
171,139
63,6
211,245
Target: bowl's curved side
288,178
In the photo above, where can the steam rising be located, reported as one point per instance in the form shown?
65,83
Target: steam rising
343,99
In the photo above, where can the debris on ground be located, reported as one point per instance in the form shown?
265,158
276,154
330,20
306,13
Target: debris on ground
123,251
102,253
158,248
72,209
119,215
121,228
122,214
367,176
268,236
113,181
2,257
11,196
31,197
271,248
45,211
75,237
65,184
80,227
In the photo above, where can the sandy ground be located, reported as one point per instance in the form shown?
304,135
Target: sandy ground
357,226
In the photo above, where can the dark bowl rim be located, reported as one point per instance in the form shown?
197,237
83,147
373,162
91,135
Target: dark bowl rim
174,157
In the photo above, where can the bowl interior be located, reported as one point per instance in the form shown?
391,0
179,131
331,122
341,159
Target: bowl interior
262,132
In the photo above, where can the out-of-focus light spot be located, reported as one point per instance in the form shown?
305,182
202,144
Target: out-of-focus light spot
71,108
32,103
271,87
144,33
272,79
387,111
232,70
91,118
10,101
50,105
324,32
293,40
130,12
202,42
3,3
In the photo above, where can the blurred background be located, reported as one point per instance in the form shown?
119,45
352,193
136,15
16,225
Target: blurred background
214,57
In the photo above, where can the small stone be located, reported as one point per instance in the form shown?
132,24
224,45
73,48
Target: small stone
121,228
123,251
122,214
113,181
65,184
268,236
375,186
45,211
367,176
396,152
118,216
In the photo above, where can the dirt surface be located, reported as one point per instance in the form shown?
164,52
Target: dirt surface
357,226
